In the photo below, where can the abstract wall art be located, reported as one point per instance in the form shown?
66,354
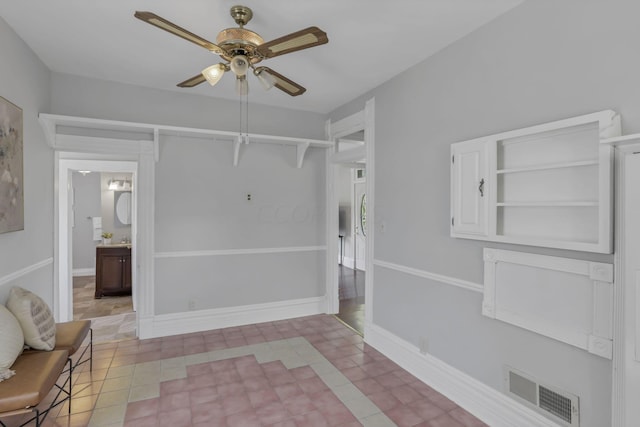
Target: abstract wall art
11,168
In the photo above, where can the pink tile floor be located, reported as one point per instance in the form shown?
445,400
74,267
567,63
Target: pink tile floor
240,391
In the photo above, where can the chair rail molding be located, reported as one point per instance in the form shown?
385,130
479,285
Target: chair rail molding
447,280
24,271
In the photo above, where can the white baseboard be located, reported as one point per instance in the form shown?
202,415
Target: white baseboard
348,262
84,272
203,320
488,404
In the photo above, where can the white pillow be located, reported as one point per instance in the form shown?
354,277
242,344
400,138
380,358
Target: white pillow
35,317
5,374
11,338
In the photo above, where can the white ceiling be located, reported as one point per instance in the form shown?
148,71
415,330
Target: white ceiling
370,41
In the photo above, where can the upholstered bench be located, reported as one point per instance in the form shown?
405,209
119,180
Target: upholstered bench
37,373
70,336
28,376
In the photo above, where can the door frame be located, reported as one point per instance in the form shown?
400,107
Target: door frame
65,228
145,154
362,120
626,309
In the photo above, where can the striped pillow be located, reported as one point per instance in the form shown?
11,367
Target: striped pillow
35,317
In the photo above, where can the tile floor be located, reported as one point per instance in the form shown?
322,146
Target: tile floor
310,371
86,306
351,294
112,318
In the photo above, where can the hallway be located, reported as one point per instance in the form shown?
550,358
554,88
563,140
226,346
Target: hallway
351,291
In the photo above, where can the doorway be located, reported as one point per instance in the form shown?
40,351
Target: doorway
96,212
101,221
351,177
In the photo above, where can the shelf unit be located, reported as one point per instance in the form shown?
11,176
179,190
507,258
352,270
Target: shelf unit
547,185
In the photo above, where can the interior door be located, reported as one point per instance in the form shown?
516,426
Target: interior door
360,223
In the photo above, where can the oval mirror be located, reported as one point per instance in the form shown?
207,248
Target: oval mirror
123,207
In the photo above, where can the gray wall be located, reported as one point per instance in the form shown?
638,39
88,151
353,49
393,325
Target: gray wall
25,81
84,97
86,204
200,198
201,205
543,61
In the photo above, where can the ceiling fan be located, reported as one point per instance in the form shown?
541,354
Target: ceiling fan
242,49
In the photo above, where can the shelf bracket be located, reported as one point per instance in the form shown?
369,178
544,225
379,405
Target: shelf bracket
301,149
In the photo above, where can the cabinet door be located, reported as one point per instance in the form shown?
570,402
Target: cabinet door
469,189
126,272
111,273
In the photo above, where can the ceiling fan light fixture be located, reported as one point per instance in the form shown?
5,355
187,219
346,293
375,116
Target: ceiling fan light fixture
266,79
239,65
214,73
242,86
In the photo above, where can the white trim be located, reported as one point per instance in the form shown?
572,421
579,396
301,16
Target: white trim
348,262
369,140
202,320
63,294
489,405
625,368
351,156
142,138
363,120
591,290
24,271
221,252
349,125
84,272
447,280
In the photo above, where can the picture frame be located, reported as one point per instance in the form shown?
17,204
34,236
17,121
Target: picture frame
11,167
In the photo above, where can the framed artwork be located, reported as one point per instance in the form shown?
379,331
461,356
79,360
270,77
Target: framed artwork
11,168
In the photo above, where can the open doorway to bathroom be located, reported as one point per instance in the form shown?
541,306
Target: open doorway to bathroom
101,243
97,211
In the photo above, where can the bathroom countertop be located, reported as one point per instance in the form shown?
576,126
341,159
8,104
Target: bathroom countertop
115,245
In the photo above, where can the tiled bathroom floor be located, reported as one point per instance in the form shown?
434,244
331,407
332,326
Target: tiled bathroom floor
86,306
311,371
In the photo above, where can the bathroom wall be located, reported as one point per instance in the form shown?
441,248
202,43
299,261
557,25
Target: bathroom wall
86,205
120,232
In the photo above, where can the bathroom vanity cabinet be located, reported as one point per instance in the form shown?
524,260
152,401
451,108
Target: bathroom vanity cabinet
113,270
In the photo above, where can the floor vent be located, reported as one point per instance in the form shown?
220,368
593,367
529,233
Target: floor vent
558,405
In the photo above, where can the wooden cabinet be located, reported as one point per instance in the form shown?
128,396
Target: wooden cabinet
548,185
113,271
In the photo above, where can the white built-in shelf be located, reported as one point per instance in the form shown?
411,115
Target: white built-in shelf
72,133
546,185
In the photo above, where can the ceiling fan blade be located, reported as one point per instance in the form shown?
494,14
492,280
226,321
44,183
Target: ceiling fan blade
193,81
303,39
153,19
284,84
